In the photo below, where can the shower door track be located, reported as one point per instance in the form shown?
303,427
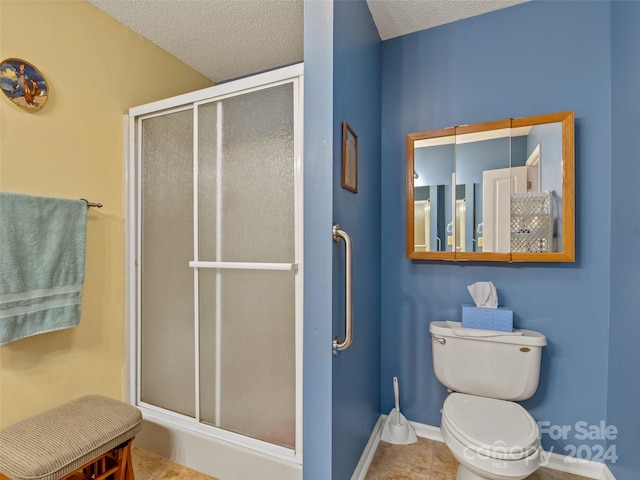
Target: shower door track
161,415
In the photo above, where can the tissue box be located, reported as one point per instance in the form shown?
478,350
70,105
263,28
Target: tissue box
500,318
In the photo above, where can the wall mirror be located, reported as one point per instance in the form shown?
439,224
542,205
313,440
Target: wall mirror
495,191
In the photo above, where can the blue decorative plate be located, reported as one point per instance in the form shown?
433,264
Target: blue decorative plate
23,84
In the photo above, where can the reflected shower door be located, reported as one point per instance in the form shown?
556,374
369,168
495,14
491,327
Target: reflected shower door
219,283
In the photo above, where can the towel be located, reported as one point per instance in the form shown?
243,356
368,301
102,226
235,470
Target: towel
42,258
461,331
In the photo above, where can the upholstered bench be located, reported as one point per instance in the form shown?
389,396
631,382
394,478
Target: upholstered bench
88,438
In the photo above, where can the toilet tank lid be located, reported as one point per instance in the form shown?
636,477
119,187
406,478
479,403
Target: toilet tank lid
527,337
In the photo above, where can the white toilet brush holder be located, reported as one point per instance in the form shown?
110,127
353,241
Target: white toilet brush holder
397,429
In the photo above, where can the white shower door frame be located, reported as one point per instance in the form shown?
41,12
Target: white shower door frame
192,101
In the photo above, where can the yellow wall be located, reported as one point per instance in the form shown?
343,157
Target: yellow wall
96,69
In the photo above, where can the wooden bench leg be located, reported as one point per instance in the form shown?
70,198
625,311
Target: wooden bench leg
129,474
126,465
98,468
115,464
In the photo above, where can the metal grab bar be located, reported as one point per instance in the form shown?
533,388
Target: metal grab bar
339,345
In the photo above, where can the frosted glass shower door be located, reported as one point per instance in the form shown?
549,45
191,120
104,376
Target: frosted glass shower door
166,297
246,315
219,265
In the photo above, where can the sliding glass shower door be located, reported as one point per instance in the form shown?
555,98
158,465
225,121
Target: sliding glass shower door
219,265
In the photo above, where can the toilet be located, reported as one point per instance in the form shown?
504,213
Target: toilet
486,372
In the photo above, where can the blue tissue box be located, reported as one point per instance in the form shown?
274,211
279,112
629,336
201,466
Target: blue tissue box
500,318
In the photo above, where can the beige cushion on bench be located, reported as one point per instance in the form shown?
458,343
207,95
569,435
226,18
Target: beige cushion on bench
59,441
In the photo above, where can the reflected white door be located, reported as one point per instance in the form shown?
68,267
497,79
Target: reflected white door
461,225
422,226
497,186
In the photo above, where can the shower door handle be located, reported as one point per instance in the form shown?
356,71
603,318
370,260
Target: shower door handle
339,345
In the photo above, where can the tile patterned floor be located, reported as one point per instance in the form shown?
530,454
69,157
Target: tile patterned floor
431,460
425,460
149,466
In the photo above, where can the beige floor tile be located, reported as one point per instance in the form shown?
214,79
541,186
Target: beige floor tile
443,476
394,470
548,474
169,474
443,460
420,453
390,463
177,472
424,460
149,466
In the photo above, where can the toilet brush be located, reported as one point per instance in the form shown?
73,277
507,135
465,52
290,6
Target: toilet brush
397,428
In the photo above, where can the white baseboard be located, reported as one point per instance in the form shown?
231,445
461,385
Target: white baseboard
585,468
554,461
427,431
369,451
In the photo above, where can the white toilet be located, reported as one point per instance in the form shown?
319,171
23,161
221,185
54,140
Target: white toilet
486,372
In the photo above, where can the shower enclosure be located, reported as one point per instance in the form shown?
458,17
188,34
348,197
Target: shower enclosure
215,270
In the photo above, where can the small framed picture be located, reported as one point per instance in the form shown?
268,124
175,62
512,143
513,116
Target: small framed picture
23,84
349,158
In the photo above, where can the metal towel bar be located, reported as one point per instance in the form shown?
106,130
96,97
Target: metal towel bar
244,265
339,345
91,204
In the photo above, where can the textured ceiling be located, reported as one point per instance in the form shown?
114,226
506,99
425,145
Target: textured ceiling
222,39
400,17
226,39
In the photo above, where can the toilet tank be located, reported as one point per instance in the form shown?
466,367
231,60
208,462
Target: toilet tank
506,367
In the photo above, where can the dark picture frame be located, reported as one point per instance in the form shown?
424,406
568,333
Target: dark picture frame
349,158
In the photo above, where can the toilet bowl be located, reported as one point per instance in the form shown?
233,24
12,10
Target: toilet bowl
492,439
491,436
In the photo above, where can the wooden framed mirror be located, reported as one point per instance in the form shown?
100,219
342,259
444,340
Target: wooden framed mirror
497,191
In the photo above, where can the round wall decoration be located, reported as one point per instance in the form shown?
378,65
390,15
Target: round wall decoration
23,84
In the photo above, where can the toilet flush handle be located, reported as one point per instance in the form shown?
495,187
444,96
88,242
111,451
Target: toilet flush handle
440,340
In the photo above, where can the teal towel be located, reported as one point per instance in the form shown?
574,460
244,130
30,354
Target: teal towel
42,255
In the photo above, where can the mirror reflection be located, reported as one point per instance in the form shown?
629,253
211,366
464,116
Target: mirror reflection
483,172
433,180
491,191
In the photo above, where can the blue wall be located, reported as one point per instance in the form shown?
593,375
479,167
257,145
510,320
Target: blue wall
318,248
579,56
534,58
356,99
624,336
472,159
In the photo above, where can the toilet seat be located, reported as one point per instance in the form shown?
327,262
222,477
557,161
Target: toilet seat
494,428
